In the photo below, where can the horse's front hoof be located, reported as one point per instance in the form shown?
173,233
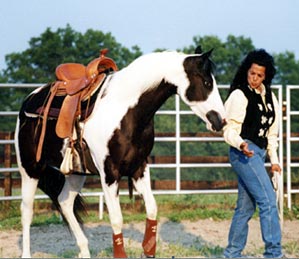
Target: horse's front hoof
84,255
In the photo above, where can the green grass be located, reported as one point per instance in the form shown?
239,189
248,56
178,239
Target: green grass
173,207
292,248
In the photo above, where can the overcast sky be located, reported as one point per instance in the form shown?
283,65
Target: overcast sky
151,24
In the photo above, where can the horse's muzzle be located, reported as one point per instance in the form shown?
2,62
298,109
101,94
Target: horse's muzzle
216,120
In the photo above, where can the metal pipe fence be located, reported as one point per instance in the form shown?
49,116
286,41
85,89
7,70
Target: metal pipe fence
177,139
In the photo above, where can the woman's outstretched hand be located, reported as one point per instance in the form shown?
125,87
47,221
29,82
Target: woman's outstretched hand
245,150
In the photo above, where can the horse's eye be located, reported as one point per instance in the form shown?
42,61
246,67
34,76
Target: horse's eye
207,84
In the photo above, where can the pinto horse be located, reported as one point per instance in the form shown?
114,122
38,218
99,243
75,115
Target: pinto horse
120,136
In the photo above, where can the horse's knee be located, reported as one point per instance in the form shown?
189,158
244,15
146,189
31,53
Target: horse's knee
27,213
66,203
27,204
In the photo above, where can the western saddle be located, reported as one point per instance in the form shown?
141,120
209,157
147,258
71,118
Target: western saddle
77,83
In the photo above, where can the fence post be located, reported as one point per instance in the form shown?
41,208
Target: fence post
7,164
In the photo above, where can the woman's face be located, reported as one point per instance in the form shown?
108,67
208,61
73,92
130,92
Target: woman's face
256,75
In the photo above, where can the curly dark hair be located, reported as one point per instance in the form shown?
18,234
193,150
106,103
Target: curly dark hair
259,57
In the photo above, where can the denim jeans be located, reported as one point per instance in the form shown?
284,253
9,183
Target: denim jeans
254,188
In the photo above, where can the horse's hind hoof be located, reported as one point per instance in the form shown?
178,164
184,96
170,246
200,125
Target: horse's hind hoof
143,255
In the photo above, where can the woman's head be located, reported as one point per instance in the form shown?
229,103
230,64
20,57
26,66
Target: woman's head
256,75
260,58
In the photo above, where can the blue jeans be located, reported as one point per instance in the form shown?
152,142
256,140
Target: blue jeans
254,188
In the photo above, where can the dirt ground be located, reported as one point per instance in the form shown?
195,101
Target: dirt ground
54,240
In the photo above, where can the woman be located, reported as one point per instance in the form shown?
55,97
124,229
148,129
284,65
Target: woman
251,132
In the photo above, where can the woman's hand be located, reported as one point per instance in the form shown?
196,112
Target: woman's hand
275,168
245,150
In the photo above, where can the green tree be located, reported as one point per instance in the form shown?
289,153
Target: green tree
287,69
37,63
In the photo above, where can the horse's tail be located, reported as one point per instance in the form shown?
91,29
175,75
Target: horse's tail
51,182
130,187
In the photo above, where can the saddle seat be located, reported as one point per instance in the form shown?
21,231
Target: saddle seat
76,82
74,77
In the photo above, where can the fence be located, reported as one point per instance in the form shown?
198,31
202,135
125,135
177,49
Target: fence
292,113
177,164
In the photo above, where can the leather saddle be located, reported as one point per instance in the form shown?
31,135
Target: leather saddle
77,83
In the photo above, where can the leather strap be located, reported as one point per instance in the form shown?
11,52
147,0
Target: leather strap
44,123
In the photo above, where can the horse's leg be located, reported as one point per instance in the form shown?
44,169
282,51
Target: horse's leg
116,219
143,186
29,186
73,185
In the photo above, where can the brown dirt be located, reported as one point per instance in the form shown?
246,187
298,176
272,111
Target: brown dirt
55,240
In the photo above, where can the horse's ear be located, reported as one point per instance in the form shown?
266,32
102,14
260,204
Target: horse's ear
208,53
198,50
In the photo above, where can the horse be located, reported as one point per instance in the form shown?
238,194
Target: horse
119,134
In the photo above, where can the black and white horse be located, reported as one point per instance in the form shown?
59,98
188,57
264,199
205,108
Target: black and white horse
120,136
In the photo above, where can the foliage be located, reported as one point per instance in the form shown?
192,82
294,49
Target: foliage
287,69
37,64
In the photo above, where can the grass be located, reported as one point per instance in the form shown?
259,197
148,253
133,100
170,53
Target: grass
292,248
175,208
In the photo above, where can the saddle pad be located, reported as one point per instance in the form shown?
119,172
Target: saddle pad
36,102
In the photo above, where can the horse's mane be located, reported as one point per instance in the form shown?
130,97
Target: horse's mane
148,70
167,59
151,67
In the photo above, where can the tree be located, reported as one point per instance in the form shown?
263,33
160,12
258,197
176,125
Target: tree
287,69
37,64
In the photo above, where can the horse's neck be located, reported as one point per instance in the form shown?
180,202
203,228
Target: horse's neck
151,101
142,83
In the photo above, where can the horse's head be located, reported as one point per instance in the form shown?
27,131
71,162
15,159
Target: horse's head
201,92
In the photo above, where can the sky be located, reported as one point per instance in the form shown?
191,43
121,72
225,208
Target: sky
151,24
